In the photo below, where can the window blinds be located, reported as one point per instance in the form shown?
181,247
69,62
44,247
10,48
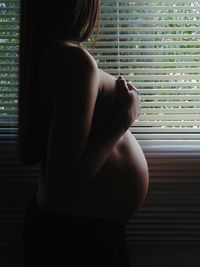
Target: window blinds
9,44
153,44
156,46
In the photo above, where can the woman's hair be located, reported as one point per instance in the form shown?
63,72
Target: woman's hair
42,23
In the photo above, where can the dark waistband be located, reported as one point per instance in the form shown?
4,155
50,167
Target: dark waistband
36,210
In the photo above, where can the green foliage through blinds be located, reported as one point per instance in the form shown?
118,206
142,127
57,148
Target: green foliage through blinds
9,45
156,46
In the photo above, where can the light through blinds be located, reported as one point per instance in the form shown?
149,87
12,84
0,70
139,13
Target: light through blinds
9,45
155,45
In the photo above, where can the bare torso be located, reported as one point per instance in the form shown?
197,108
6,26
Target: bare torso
119,187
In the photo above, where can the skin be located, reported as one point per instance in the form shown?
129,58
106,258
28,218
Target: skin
96,168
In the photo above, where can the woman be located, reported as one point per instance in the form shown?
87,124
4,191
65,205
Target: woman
74,120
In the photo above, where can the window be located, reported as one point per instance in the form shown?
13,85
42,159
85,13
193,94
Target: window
9,44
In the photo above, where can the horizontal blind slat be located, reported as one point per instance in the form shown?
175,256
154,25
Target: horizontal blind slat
149,21
154,71
147,36
141,43
149,15
170,110
116,64
175,117
147,29
160,131
143,7
145,50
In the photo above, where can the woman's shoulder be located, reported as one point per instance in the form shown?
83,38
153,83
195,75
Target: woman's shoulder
67,64
65,54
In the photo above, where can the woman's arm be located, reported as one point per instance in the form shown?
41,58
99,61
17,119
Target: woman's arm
98,150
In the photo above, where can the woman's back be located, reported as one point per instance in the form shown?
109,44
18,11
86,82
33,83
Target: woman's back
61,88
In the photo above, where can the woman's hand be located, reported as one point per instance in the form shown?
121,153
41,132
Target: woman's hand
128,102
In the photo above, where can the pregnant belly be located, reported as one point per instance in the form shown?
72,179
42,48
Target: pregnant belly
121,185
